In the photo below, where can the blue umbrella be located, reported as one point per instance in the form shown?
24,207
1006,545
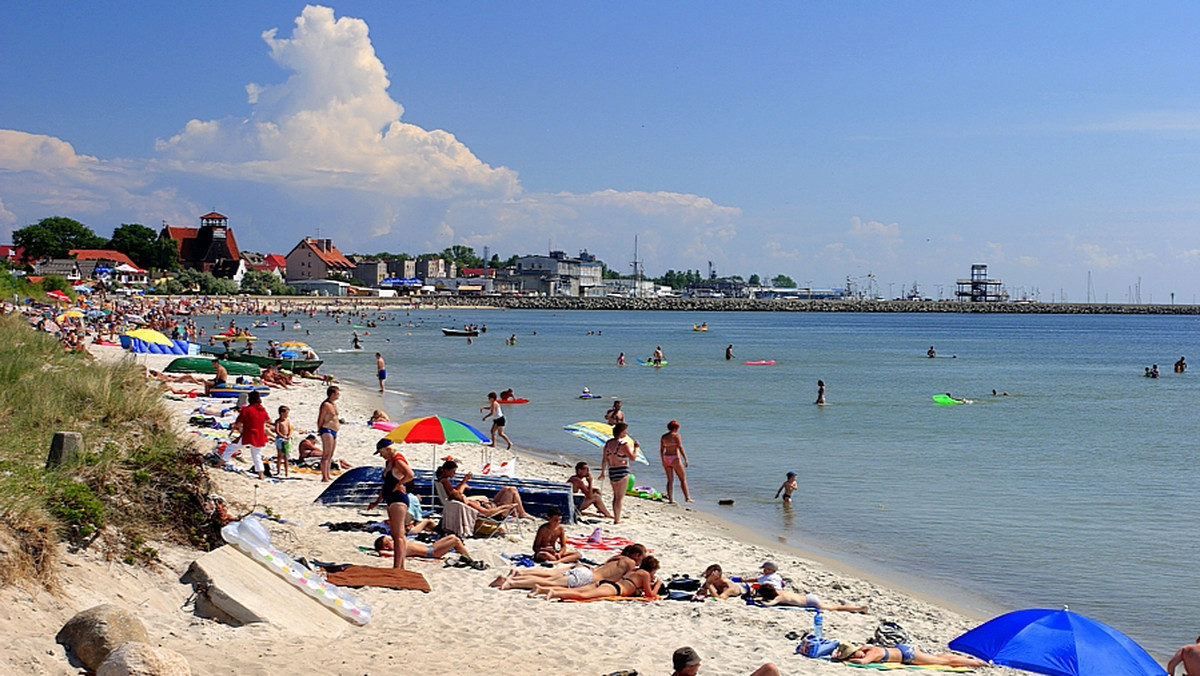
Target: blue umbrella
1057,642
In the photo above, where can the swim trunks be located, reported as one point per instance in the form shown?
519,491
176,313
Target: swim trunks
383,374
577,577
500,421
325,430
616,474
283,444
811,601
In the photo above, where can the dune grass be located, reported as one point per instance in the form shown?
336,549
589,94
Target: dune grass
134,480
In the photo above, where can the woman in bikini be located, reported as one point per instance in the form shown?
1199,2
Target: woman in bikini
396,475
507,499
618,452
904,654
641,582
674,461
617,567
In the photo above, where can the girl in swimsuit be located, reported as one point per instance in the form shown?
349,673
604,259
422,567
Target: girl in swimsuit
618,451
642,580
674,461
396,475
498,420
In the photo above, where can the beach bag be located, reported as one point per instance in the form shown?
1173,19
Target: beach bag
817,648
889,635
686,584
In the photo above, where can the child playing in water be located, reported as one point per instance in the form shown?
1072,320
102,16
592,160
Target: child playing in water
788,487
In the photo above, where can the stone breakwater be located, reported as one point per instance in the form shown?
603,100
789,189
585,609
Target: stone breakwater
753,305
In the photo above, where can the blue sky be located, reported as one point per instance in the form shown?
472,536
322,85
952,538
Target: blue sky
819,140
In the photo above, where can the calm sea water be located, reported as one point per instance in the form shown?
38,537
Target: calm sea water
1079,488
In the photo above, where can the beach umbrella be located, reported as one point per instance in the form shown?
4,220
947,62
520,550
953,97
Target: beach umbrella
597,434
1056,642
82,288
150,336
70,314
57,295
435,429
96,314
293,343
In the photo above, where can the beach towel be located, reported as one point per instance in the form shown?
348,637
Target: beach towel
615,544
366,576
613,598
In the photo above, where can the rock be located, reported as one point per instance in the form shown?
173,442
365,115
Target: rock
94,633
142,659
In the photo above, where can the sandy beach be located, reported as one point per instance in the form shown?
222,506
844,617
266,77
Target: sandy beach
463,625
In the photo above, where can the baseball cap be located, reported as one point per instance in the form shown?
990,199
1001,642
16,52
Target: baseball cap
685,657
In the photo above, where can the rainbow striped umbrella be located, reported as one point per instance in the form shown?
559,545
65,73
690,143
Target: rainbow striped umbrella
435,429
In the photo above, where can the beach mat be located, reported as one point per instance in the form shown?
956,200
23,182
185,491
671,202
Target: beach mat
614,598
366,576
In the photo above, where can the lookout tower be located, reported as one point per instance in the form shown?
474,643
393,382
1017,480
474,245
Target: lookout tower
980,289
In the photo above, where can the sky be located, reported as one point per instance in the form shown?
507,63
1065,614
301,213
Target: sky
886,143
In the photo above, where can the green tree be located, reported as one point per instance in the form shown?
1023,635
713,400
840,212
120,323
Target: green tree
463,256
56,283
205,282
783,281
144,246
262,283
54,237
754,281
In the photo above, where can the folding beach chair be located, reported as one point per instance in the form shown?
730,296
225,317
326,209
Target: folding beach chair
461,520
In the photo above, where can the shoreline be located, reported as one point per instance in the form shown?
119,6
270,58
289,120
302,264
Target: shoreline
732,638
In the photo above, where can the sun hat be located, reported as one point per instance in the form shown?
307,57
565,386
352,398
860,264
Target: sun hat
770,565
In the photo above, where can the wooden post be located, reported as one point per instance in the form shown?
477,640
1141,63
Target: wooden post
64,448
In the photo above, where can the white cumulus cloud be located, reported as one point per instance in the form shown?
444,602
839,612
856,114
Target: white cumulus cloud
332,123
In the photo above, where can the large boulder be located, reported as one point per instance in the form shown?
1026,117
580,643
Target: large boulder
94,633
141,659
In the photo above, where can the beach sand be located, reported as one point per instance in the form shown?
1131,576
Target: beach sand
463,625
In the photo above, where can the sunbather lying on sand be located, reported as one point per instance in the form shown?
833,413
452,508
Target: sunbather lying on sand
773,597
716,586
615,568
687,663
384,544
641,582
904,654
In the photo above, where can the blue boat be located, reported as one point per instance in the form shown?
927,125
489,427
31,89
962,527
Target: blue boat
359,486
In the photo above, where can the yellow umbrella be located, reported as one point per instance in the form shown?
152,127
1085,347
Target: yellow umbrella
150,336
70,314
293,343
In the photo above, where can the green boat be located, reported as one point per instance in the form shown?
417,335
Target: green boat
205,365
293,365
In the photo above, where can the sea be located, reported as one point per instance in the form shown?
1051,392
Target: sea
1076,484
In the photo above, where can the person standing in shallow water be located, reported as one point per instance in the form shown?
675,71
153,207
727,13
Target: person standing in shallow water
729,353
380,370
820,392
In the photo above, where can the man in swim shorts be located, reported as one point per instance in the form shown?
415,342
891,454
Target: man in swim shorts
328,425
550,543
380,370
904,654
220,377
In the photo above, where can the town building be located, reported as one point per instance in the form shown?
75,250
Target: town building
557,275
203,247
316,259
368,270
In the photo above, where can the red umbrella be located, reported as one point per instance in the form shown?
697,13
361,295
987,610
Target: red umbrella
58,295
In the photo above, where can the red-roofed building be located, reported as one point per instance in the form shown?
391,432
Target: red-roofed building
113,258
316,259
203,247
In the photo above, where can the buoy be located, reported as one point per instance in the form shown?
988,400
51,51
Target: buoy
726,502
